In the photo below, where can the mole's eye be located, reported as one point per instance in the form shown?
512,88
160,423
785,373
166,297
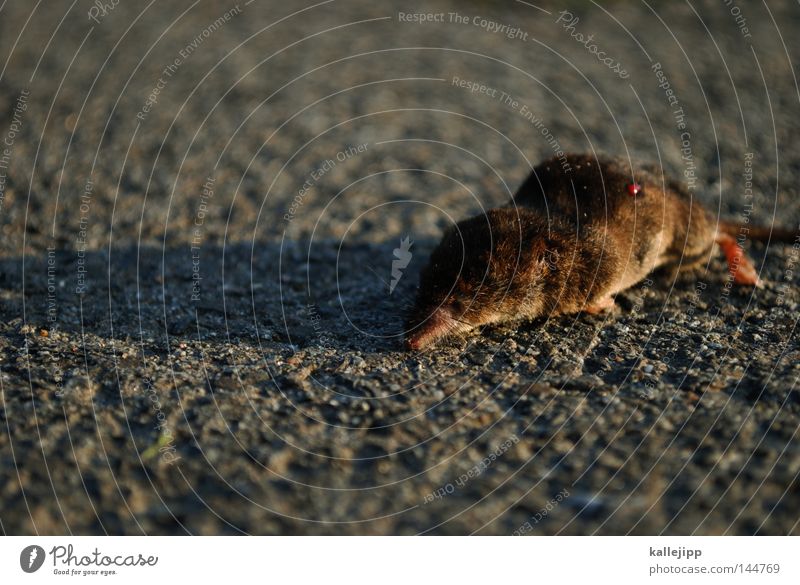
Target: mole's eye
633,189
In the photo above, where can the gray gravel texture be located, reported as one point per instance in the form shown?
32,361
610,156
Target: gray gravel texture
196,329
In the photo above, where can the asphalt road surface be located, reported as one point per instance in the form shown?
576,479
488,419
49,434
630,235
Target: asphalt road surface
200,331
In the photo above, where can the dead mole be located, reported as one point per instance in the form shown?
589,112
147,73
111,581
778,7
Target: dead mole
573,237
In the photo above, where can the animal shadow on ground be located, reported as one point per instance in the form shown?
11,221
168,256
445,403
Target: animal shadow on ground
286,293
286,296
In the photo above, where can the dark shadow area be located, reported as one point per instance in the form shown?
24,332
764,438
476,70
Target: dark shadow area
292,297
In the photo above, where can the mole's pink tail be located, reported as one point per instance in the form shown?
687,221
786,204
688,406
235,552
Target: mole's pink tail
760,233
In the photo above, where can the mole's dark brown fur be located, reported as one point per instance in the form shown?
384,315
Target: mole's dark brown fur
572,238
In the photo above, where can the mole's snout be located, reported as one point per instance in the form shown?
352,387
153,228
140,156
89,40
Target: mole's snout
437,325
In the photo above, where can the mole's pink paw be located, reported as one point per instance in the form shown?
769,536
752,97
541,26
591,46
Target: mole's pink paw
599,306
745,274
739,265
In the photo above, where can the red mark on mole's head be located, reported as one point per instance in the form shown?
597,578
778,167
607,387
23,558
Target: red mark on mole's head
634,189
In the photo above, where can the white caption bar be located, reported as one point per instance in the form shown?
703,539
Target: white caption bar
390,560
